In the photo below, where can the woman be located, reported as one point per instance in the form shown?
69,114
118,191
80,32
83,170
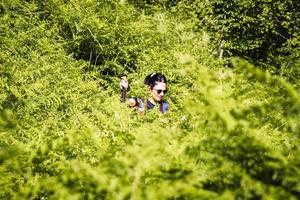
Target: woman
157,85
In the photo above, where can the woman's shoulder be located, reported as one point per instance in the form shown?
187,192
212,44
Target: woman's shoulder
136,101
164,106
133,101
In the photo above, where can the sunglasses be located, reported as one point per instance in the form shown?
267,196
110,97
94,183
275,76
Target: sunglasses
160,91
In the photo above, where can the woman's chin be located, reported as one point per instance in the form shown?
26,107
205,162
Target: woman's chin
158,99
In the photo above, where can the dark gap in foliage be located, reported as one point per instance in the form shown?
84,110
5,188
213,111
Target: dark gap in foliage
2,10
106,64
223,180
148,4
11,101
66,32
87,51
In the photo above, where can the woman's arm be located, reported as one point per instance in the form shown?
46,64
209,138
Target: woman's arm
130,102
124,87
124,84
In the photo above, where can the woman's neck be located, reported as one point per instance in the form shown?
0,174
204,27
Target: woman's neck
152,100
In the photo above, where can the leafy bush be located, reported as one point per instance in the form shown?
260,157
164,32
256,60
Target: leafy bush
231,133
263,32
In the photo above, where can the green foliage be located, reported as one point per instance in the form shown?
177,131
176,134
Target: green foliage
148,5
231,133
263,31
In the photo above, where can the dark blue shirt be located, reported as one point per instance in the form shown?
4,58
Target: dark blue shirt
139,103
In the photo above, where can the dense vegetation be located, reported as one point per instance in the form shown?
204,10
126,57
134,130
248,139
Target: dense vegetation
233,131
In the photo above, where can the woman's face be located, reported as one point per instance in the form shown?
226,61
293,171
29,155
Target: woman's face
158,91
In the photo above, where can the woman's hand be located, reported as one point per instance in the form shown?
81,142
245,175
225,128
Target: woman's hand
124,83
